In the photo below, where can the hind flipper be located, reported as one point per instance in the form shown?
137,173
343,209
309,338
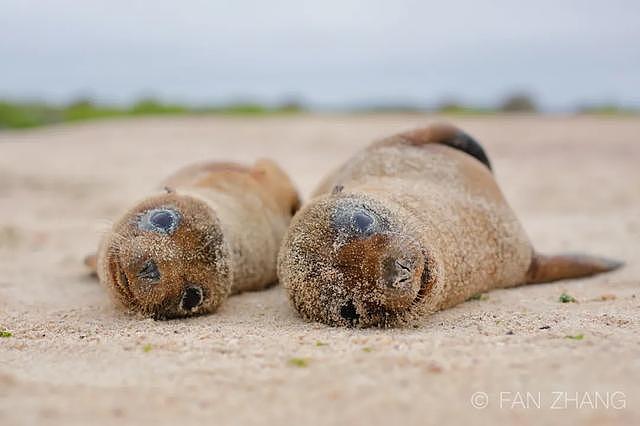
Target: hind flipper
546,268
446,134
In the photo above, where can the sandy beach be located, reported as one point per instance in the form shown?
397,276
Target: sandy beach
72,358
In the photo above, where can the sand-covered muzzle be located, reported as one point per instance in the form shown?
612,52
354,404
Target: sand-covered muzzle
348,260
167,257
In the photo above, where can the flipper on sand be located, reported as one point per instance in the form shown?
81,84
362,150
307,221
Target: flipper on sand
548,268
91,261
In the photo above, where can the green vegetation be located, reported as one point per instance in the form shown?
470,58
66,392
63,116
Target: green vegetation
606,109
518,102
566,298
21,115
576,337
147,348
479,296
512,103
453,107
299,362
367,349
319,343
5,333
17,116
85,110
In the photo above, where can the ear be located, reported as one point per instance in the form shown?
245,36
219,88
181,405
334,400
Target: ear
262,167
91,261
337,189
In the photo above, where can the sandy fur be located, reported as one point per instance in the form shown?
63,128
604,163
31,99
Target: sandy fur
234,218
442,197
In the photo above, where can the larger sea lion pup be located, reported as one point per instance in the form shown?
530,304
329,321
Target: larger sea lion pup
214,230
412,224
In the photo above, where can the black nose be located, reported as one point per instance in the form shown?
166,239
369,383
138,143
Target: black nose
191,298
357,220
362,221
348,311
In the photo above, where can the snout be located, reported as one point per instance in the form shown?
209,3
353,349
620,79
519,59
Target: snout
397,286
349,261
400,281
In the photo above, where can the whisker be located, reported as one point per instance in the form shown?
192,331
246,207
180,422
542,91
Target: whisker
206,244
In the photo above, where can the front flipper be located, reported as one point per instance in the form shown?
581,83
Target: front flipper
91,261
545,268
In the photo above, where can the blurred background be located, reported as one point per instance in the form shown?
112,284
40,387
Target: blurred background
551,89
64,60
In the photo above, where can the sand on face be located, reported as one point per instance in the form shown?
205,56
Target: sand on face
74,359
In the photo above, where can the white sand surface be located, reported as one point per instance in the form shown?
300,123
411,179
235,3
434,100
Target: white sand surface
75,360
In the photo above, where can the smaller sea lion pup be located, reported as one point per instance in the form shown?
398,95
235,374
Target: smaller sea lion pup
214,231
413,224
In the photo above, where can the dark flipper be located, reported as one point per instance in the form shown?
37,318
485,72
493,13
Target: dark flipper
448,135
546,268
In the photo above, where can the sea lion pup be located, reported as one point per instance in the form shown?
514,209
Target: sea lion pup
412,224
214,231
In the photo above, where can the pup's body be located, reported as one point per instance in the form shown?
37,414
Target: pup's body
413,224
214,230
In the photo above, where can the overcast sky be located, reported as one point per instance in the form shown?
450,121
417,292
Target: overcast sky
326,52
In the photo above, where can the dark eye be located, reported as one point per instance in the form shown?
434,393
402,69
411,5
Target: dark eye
149,271
163,220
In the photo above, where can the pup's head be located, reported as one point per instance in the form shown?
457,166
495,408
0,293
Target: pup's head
349,260
167,258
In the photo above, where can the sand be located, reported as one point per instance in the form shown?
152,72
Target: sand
74,359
